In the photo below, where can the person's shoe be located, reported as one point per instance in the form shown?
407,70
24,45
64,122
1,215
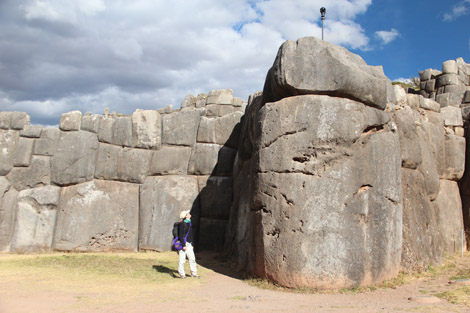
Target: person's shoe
196,276
182,277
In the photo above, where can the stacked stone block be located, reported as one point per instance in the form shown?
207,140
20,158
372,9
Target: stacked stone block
432,148
118,182
447,87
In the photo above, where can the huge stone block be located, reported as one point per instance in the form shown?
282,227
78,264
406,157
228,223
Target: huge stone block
447,79
106,130
421,239
5,120
452,116
48,142
98,216
24,151
8,147
449,67
224,96
313,66
225,160
36,175
124,164
8,196
204,158
454,166
180,128
161,201
449,218
170,160
74,160
329,208
91,123
216,194
122,131
227,130
31,131
19,120
36,213
212,234
410,146
146,129
70,121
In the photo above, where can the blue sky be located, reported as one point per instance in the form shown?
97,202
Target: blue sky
58,56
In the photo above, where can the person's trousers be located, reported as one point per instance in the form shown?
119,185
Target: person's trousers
192,260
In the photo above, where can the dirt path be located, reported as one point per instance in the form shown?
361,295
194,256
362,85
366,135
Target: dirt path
215,292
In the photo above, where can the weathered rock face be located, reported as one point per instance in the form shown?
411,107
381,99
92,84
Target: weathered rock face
161,201
35,220
98,216
8,196
313,66
328,192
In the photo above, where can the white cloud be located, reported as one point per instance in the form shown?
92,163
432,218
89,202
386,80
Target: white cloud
460,9
387,37
91,54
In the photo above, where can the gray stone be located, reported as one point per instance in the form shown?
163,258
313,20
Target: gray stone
124,164
146,129
212,110
224,96
466,113
70,121
447,79
422,85
8,196
8,147
413,100
409,140
313,66
429,104
170,161
443,99
122,131
329,206
455,158
98,216
226,130
74,160
449,217
452,116
48,142
400,94
238,102
449,67
180,128
19,120
5,120
212,234
430,85
203,159
319,128
188,102
134,165
91,123
107,162
24,151
36,175
31,131
225,161
425,75
433,157
466,97
201,100
161,201
216,194
35,220
206,131
421,239
106,130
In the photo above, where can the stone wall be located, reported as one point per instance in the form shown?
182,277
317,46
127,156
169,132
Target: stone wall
341,179
116,182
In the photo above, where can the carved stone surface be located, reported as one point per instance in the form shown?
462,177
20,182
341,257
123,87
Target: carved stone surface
98,216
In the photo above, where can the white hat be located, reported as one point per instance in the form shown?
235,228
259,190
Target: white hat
183,214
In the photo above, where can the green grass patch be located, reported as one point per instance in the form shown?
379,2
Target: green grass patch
457,296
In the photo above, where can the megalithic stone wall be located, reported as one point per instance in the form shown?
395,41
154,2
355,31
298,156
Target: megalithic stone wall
340,185
116,182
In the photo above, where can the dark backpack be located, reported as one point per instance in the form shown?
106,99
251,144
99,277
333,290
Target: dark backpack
177,244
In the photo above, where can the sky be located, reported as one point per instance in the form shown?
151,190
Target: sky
59,56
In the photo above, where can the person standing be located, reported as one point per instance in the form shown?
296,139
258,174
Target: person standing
185,230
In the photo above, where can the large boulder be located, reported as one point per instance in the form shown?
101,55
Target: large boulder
161,201
327,194
170,160
48,142
74,160
314,66
98,216
36,175
146,129
36,212
180,128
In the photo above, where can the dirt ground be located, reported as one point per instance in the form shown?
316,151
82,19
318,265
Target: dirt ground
219,290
